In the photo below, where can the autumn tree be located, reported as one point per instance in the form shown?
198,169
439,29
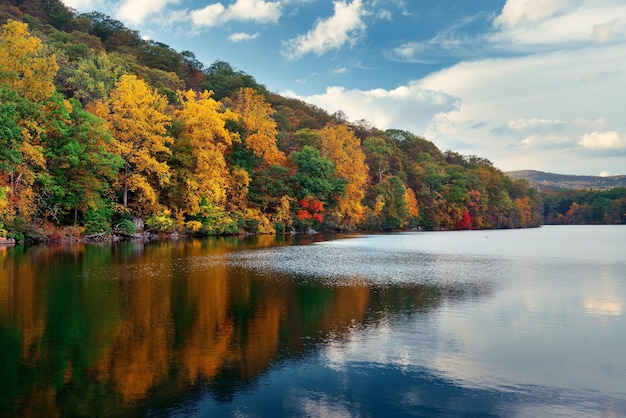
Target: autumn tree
25,65
208,177
26,86
260,130
136,119
391,194
343,149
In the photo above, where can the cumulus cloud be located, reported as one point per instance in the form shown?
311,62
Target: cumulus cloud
242,36
408,107
603,141
136,11
344,27
242,10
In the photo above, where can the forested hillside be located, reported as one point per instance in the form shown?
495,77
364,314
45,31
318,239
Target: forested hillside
99,126
550,181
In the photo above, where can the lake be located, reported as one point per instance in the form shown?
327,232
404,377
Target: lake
510,323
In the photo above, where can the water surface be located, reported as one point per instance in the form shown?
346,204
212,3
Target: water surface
473,323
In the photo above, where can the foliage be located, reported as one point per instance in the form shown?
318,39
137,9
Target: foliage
98,125
160,222
582,207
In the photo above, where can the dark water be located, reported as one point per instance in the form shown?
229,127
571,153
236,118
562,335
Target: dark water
526,323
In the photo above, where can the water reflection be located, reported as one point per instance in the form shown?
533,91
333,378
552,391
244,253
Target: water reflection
367,326
106,330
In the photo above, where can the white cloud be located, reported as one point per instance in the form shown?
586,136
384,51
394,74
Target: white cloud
516,13
526,125
603,141
408,107
82,4
242,36
211,15
604,32
384,15
243,10
344,27
341,70
557,22
544,141
136,11
529,112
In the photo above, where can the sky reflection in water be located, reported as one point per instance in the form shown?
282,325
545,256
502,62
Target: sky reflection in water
532,327
497,323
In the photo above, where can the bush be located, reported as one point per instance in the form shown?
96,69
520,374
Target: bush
161,222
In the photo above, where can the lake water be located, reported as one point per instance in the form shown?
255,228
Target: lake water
513,323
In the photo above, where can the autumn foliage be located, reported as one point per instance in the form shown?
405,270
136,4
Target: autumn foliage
92,137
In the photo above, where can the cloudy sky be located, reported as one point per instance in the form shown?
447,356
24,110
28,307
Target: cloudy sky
528,84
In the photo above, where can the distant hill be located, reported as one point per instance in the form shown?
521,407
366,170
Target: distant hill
543,181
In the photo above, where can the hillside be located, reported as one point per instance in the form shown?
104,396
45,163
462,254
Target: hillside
544,181
104,131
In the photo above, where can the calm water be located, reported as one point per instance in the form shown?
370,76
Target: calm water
521,323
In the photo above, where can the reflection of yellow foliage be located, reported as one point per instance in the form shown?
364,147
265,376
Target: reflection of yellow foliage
262,340
141,352
207,345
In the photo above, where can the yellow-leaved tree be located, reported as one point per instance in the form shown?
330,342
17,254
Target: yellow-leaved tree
24,64
135,117
205,130
343,148
26,86
260,128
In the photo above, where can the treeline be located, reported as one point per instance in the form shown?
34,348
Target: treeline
585,207
99,127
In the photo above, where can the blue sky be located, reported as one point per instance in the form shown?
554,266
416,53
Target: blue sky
528,84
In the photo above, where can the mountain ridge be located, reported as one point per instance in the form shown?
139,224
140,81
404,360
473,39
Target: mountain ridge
544,180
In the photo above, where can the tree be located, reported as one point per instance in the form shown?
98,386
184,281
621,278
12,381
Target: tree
225,81
93,77
316,177
343,149
24,65
136,119
395,212
26,87
378,152
80,165
259,127
205,130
